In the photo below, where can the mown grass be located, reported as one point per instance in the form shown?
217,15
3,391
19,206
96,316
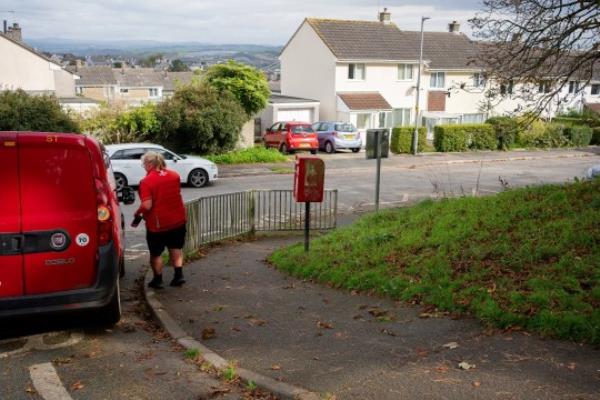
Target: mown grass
252,155
527,258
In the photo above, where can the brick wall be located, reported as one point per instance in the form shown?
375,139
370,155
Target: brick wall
436,101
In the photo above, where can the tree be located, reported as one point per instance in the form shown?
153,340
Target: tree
114,124
20,111
151,60
199,119
247,84
541,43
178,66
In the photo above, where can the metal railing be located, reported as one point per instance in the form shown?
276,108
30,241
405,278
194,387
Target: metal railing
222,216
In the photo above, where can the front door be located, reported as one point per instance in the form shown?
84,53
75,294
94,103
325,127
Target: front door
59,213
11,241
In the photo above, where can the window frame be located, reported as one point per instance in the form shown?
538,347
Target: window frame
404,68
436,80
352,69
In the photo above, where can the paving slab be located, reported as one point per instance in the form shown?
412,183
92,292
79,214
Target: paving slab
356,346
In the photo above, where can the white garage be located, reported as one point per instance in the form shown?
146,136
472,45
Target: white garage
286,108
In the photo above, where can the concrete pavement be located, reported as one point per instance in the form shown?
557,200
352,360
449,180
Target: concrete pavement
356,346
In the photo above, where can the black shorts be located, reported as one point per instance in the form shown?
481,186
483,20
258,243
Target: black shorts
171,239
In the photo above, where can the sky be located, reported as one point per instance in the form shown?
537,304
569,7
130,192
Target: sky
268,22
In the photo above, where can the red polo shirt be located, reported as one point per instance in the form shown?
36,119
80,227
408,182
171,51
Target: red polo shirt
168,211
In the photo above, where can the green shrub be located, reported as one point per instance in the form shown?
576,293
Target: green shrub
569,121
578,136
506,130
543,135
20,111
595,136
248,156
464,137
402,137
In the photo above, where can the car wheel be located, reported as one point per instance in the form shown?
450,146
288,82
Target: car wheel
198,178
329,148
120,180
355,150
313,151
111,313
283,148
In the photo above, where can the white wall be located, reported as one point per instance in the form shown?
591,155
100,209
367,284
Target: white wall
464,97
382,78
21,69
308,70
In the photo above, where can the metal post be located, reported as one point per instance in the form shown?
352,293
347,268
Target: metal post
378,178
415,141
306,225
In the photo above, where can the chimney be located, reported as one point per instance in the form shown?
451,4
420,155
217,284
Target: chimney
14,32
5,26
454,27
385,16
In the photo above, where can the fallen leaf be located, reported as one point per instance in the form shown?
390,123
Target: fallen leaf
376,312
235,328
77,386
476,384
465,365
572,366
442,369
421,352
316,358
388,332
451,345
208,333
62,360
358,316
324,325
257,322
30,389
275,367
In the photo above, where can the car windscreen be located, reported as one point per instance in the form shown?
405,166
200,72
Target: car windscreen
345,128
302,129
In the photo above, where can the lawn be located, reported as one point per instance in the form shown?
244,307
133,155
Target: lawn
523,259
250,155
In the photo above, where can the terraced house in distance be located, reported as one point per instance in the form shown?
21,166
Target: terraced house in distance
365,72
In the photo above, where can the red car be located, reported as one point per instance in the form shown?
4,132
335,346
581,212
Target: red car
61,229
291,136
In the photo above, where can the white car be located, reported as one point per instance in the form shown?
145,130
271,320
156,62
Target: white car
127,165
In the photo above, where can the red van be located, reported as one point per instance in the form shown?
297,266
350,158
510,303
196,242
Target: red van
291,136
61,229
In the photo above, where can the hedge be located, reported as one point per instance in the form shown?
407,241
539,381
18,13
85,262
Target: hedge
578,136
506,129
595,136
464,137
402,137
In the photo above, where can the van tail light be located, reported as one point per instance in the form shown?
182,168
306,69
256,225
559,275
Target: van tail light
105,220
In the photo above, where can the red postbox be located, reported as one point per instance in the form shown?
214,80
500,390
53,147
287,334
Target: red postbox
309,178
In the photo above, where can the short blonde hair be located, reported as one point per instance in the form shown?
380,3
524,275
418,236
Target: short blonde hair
155,159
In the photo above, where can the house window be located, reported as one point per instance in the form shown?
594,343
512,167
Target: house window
437,79
356,72
478,80
405,72
78,90
544,87
506,87
363,121
472,118
401,117
153,92
596,89
573,87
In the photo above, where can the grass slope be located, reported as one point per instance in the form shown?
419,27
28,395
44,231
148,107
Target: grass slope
527,258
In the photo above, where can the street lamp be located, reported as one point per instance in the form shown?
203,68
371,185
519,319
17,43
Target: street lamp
416,133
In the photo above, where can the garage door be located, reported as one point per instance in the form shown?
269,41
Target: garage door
296,114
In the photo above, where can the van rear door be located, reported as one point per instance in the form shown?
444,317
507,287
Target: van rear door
11,240
59,212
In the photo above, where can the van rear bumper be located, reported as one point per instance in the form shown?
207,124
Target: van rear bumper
96,296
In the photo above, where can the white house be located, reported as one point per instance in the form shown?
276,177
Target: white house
22,67
365,72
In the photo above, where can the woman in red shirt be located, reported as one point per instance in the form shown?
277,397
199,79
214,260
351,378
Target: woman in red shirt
164,212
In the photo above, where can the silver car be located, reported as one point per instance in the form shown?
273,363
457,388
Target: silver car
335,135
126,162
